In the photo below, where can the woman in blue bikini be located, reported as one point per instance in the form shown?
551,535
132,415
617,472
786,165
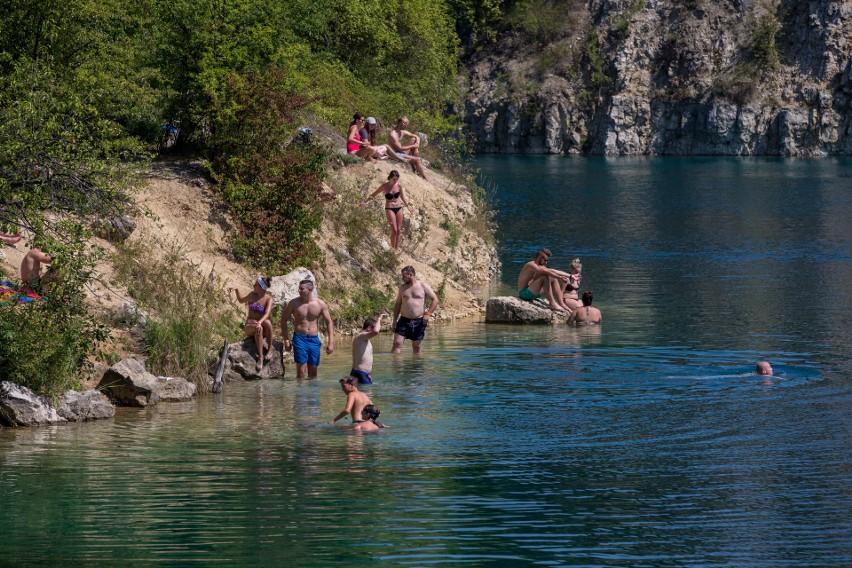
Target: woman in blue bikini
258,324
394,202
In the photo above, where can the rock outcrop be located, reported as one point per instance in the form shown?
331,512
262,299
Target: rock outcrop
175,389
76,406
127,383
285,288
694,77
511,309
19,406
242,358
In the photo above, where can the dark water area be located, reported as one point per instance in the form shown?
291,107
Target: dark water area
647,441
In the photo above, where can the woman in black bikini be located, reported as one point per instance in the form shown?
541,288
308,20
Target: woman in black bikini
394,202
257,323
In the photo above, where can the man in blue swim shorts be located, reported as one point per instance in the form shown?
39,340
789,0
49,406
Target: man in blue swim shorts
306,310
410,316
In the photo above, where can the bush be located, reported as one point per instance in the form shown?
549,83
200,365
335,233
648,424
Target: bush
44,344
188,313
274,188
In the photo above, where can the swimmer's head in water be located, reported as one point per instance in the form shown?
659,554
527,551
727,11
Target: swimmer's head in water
587,298
763,368
393,174
371,411
369,323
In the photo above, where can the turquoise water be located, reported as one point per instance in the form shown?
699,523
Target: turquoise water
646,442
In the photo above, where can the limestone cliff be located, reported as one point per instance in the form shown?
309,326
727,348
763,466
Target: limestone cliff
671,77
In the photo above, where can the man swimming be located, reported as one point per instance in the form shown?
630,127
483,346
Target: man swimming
356,401
586,314
537,281
763,369
362,350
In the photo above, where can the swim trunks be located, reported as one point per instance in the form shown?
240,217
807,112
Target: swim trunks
363,377
402,156
306,349
413,329
527,295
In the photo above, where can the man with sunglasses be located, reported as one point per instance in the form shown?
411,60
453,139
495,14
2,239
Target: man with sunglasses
537,281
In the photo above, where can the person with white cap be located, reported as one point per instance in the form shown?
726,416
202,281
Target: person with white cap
258,324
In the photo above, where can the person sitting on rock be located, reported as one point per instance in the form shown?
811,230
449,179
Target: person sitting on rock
587,314
406,146
257,324
537,281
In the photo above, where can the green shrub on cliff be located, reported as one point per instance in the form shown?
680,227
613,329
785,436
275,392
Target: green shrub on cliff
273,187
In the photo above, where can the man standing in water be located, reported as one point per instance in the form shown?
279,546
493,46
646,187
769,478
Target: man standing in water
537,281
587,314
306,310
362,350
410,316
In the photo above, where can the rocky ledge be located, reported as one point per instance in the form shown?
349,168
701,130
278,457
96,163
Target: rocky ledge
511,309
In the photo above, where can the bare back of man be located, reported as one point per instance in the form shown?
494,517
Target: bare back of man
585,314
31,265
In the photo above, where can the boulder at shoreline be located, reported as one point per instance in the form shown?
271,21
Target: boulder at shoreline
127,383
511,309
19,406
77,406
242,358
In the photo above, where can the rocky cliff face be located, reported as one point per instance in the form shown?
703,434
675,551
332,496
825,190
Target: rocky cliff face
672,77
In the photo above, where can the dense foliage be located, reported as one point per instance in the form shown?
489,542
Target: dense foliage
88,85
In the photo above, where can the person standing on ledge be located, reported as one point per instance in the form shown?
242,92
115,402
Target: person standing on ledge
306,310
362,350
537,281
410,316
587,314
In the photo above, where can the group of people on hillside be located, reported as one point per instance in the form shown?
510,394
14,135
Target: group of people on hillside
411,317
402,145
561,289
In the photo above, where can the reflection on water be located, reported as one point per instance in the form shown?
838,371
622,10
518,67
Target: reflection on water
647,441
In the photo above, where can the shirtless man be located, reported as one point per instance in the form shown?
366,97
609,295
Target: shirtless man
410,316
405,150
587,314
31,266
355,401
537,281
306,343
362,350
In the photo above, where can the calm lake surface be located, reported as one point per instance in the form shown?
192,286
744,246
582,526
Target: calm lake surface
646,442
